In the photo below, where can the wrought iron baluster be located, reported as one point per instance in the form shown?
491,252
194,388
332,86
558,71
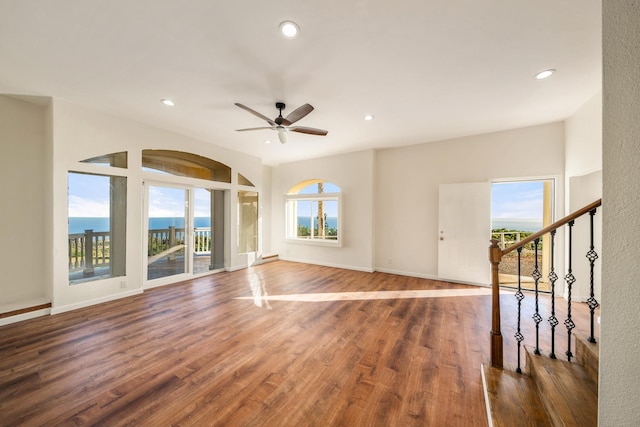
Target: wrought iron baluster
570,279
553,277
519,296
536,277
592,256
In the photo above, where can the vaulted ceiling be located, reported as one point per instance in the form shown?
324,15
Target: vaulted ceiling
426,69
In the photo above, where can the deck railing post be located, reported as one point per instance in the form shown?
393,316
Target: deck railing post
172,241
495,256
88,247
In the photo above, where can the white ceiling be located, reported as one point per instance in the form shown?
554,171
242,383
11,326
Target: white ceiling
427,69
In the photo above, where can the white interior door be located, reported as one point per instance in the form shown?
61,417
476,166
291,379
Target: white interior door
465,230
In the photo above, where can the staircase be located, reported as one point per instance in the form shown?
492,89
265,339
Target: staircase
551,392
548,391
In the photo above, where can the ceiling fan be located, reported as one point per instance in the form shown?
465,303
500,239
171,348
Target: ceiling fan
283,124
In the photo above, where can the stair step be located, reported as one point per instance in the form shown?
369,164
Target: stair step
512,399
568,395
588,356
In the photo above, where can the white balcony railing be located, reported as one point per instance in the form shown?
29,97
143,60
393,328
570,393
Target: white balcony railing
91,249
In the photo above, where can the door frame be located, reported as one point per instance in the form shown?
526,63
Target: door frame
145,234
189,231
556,210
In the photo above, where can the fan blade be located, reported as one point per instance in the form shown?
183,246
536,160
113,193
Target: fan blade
255,113
297,114
261,128
311,131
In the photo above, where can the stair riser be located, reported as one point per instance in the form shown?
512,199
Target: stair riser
567,393
587,355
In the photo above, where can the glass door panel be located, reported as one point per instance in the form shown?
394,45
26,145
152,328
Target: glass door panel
519,209
202,233
168,236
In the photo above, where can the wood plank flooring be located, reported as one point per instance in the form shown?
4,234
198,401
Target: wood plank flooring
215,351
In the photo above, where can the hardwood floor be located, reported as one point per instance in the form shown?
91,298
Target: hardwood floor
330,347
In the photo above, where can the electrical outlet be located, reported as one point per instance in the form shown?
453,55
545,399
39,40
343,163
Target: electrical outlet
123,284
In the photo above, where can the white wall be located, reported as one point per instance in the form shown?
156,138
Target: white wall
265,220
80,133
353,173
584,190
620,328
407,182
583,172
583,135
23,234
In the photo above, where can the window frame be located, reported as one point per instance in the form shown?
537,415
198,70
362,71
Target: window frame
248,218
117,234
291,218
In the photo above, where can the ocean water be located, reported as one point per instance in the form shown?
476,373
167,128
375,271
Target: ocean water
79,224
531,225
332,221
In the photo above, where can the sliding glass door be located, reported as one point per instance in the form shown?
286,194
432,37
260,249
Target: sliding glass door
185,232
202,232
168,222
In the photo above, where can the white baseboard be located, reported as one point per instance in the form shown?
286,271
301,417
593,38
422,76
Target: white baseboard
486,396
25,316
407,273
328,264
83,304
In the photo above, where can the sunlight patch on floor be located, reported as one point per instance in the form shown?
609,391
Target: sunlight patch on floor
374,295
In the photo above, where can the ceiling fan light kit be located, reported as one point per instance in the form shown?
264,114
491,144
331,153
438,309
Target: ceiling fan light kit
282,135
283,124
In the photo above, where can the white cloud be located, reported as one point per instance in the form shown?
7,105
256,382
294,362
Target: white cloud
83,207
166,202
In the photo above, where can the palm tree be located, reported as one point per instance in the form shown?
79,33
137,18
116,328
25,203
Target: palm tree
321,215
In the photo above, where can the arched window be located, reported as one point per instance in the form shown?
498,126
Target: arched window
313,212
185,164
244,181
117,160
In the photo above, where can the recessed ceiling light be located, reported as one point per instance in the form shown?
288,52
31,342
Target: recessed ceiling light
266,141
289,29
369,117
544,74
168,102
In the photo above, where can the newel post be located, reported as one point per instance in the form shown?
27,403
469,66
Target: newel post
495,256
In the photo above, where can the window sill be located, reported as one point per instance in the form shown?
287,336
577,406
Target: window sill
316,242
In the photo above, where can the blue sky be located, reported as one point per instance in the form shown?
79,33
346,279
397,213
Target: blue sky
517,200
169,202
89,197
330,207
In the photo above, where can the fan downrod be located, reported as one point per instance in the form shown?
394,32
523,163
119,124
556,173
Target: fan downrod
280,106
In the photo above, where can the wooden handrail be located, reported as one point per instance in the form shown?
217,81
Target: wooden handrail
554,226
495,256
